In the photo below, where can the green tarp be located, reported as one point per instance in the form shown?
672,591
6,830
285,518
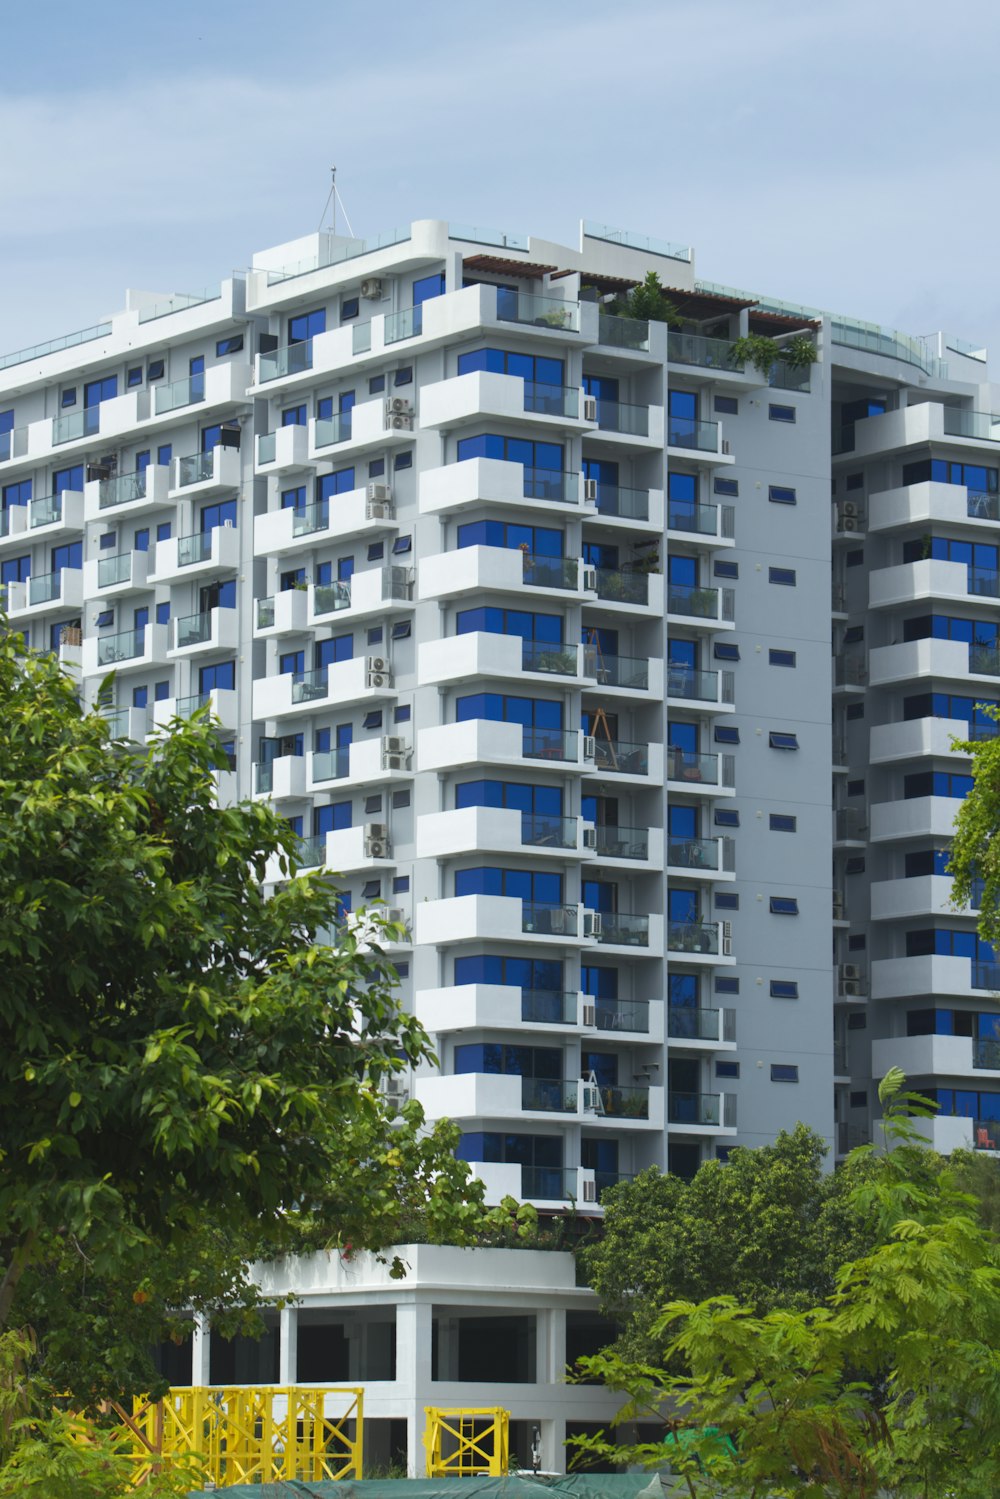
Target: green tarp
572,1486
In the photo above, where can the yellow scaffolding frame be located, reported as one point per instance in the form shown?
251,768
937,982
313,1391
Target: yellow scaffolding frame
248,1434
466,1442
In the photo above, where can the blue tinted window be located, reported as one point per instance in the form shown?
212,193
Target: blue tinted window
784,905
780,494
161,691
729,487
783,575
726,569
784,989
140,541
162,614
349,308
781,413
163,531
726,734
294,416
783,1072
782,822
725,984
67,478
781,658
782,741
16,494
140,697
305,325
427,287
220,676
134,376
164,453
230,345
341,482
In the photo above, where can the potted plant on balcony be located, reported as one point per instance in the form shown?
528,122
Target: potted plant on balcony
754,349
704,602
799,352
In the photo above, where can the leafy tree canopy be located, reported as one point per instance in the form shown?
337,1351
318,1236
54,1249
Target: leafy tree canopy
975,849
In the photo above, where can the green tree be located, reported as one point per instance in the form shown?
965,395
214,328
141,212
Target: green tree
650,302
190,1073
890,1386
975,849
771,1223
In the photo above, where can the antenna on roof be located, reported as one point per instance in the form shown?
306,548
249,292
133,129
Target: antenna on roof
332,199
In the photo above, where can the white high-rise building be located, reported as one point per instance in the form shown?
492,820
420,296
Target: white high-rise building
521,613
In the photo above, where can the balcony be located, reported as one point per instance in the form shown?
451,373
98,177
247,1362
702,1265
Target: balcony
535,311
628,591
932,976
221,703
374,591
627,674
371,424
73,426
693,857
459,658
694,1027
348,850
483,1095
480,741
496,482
284,613
496,1007
126,495
850,826
620,757
280,779
44,592
623,929
691,1112
366,762
714,524
922,895
201,634
913,817
687,686
483,395
625,424
290,359
203,554
128,651
115,574
486,569
713,605
628,846
496,830
850,671
623,333
697,352
128,723
947,1133
283,450
639,509
910,582
931,503
694,938
896,742
908,660
687,438
51,517
622,1017
937,1057
499,918
200,475
361,513
292,694
691,772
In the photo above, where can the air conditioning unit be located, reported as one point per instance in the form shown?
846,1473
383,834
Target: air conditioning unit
589,1190
395,914
371,289
379,493
379,679
400,421
727,447
590,408
589,835
589,489
378,509
398,406
591,1099
394,744
590,1014
378,663
392,761
727,939
853,989
228,525
590,580
591,923
848,507
848,523
376,848
589,747
849,971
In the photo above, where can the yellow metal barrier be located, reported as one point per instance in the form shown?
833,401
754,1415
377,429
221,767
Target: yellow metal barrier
466,1443
250,1435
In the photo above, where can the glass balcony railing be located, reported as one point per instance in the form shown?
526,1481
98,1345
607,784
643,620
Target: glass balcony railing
986,975
983,504
312,851
706,353
333,429
195,468
549,921
549,656
621,416
693,936
267,447
701,520
784,376
185,706
125,647
537,311
550,744
606,1181
978,424
265,613
622,332
983,582
332,765
551,400
75,425
851,825
194,548
311,518
850,670
550,1007
622,1103
538,831
43,588
179,393
116,569
708,770
688,1023
361,338
45,511
622,1015
618,756
621,843
693,1108
408,323
693,853
699,686
549,1183
622,587
548,1095
552,484
622,929
697,603
629,504
984,660
616,671
308,686
117,720
685,432
292,359
263,777
192,629
121,490
550,572
330,597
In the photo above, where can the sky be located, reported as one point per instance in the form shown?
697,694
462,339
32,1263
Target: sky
838,154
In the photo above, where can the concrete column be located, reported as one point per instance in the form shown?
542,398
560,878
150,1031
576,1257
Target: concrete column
200,1352
414,1321
288,1345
